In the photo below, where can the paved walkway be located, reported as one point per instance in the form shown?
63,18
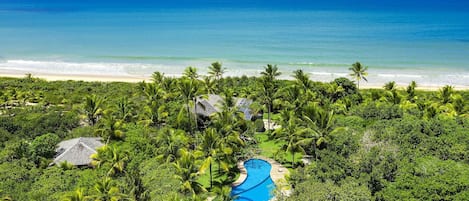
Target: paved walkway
242,174
277,173
273,125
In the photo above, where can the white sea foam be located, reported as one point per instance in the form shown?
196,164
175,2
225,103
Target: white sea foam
85,68
321,73
399,75
340,74
91,68
60,67
176,68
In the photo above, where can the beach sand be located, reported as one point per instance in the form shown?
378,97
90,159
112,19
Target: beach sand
82,77
135,79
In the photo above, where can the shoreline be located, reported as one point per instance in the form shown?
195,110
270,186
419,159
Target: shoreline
136,79
80,77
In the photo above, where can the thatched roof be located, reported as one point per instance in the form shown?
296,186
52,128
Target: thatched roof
212,103
77,151
243,105
209,105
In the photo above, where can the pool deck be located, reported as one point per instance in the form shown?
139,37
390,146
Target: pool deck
278,173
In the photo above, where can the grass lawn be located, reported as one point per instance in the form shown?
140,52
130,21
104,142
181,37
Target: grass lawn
269,148
274,117
204,179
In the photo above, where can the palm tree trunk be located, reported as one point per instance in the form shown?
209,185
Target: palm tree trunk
195,120
268,118
293,160
314,150
210,166
195,113
189,116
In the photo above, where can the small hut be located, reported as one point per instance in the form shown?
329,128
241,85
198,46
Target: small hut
77,151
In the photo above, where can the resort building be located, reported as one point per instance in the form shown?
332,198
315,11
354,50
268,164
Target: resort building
77,151
211,103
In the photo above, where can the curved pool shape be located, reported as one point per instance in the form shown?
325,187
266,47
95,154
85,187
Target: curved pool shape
258,185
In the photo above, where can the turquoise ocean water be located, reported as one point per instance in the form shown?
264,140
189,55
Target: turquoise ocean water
431,47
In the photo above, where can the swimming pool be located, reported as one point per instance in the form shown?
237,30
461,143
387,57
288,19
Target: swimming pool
258,185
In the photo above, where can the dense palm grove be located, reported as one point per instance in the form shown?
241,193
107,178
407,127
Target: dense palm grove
373,144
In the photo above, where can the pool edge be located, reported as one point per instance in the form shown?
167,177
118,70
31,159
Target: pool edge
278,174
242,174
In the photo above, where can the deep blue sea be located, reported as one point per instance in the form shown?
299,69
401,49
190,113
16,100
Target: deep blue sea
427,42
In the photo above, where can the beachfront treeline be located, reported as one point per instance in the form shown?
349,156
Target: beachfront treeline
339,142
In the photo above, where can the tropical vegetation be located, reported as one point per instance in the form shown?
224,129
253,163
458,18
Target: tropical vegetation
339,142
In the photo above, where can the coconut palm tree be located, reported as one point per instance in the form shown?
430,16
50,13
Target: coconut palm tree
188,91
153,92
302,80
191,73
77,195
169,141
393,97
107,191
157,78
391,94
431,111
335,92
155,114
136,190
228,100
293,134
225,155
358,72
209,144
267,95
155,110
228,123
187,171
445,94
216,70
93,108
411,91
209,85
168,85
390,86
124,109
320,124
28,77
109,127
269,88
458,103
118,162
293,97
110,157
223,192
271,72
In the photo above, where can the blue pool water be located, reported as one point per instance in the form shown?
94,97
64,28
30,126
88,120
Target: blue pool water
258,185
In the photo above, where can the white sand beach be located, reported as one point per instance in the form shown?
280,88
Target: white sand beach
77,77
135,79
